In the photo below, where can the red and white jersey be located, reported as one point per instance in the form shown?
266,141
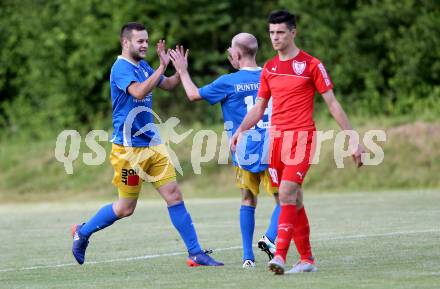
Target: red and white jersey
292,84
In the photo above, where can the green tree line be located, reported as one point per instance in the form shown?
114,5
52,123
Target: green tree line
56,55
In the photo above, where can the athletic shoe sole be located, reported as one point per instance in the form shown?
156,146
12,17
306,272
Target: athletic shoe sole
263,247
276,268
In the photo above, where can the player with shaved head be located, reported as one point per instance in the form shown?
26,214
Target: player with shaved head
236,92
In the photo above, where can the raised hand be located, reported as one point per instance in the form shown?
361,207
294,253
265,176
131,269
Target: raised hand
164,57
179,58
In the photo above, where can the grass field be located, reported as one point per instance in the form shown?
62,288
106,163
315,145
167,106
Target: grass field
361,240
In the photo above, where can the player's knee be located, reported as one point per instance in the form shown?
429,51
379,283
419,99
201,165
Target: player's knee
124,211
172,194
288,193
249,201
286,199
248,198
128,212
175,198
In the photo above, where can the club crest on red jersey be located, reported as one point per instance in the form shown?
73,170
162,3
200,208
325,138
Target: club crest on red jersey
299,66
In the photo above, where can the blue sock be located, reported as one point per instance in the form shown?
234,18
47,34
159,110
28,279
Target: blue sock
247,225
103,218
182,221
272,230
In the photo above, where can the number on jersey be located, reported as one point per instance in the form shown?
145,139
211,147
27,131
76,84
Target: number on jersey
264,122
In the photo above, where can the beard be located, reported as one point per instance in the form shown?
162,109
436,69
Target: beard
136,55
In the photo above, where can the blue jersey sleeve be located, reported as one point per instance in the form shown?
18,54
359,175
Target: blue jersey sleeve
215,91
123,76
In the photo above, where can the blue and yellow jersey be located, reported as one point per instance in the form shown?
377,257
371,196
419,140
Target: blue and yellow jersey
236,93
129,110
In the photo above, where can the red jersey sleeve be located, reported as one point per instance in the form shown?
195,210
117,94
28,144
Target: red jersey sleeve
264,90
321,80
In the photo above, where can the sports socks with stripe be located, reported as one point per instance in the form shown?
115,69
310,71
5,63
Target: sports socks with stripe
285,229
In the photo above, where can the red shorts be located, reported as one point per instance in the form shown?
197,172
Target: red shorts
290,156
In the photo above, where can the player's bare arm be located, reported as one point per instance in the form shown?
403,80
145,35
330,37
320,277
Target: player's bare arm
251,119
179,58
140,90
341,118
170,83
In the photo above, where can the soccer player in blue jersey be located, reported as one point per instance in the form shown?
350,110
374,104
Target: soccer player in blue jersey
237,92
137,152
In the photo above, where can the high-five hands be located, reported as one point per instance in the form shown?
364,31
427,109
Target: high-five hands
179,58
164,56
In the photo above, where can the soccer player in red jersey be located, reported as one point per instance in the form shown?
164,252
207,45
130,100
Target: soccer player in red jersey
291,79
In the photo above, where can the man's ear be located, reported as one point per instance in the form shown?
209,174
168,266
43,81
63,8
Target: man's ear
124,42
294,32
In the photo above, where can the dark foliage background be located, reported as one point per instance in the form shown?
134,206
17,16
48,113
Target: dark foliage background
384,56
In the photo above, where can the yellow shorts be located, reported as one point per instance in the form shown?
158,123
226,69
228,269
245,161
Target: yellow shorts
251,181
133,165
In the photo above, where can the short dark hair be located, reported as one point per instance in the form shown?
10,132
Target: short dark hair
282,16
130,26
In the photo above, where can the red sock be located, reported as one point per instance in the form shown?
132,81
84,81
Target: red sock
301,235
285,229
